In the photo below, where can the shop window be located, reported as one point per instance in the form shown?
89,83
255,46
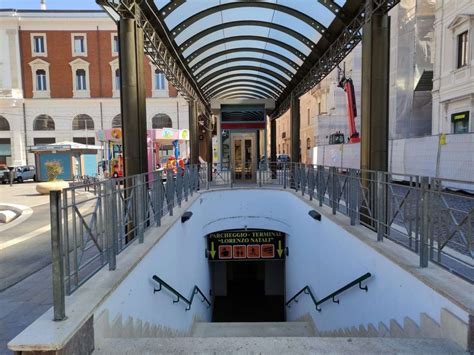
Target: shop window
460,122
463,49
82,123
84,140
43,123
4,125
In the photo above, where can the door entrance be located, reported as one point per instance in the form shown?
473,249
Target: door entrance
243,157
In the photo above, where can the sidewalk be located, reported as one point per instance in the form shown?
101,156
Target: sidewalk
22,194
22,303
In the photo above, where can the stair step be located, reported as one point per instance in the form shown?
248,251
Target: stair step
290,345
257,329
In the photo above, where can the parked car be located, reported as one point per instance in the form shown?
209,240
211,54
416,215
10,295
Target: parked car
24,172
282,158
4,173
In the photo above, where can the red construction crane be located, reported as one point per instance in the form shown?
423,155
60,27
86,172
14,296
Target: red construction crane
348,86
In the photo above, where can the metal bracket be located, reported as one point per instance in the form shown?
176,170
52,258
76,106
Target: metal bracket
155,290
176,301
318,308
366,288
334,300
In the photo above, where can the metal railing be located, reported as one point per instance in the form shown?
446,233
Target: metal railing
91,229
196,290
332,296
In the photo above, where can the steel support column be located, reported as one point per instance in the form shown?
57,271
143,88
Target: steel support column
295,128
193,133
375,89
209,149
132,98
273,147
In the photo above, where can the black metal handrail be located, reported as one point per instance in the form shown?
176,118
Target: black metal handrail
307,291
189,302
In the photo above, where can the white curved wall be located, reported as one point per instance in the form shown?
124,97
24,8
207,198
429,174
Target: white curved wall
321,254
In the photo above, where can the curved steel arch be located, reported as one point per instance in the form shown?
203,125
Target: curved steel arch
243,92
244,49
211,76
219,82
183,25
241,96
230,87
298,36
245,89
232,83
206,70
170,7
226,40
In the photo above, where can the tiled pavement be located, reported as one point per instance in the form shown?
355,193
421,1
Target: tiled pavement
22,303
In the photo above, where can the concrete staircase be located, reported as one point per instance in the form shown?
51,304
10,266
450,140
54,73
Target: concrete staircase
136,337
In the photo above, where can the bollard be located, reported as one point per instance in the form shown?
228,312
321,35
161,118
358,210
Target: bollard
59,306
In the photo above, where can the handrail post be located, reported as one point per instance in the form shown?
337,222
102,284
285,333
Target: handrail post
353,196
140,199
320,181
59,303
333,189
424,219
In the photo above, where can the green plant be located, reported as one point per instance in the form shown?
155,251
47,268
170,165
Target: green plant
53,169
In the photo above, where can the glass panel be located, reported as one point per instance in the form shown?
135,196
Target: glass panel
461,126
79,45
238,159
248,159
39,44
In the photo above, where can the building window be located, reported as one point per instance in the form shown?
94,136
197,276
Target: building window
4,125
82,123
41,80
460,122
159,80
38,44
117,121
81,79
115,44
84,140
43,140
79,44
308,143
43,123
309,118
117,79
463,49
161,120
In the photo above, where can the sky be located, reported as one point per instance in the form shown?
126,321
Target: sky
50,4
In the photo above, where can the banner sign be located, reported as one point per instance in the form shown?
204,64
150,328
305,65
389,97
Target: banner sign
252,244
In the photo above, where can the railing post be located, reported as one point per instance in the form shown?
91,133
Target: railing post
159,198
284,174
424,219
140,199
209,176
110,223
320,182
381,203
333,195
59,304
353,195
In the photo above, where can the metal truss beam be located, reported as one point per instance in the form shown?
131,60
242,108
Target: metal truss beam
244,67
182,26
204,72
337,51
269,93
244,49
220,82
242,92
241,96
238,82
246,90
214,44
299,37
159,50
170,7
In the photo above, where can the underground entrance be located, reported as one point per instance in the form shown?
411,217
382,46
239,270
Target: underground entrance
248,275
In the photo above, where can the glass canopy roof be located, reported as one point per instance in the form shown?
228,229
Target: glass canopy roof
248,49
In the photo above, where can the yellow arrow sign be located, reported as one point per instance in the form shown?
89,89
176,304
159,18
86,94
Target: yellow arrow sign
212,251
279,250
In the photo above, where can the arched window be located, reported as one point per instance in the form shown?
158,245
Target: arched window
81,83
117,121
117,79
159,80
82,123
161,120
308,143
4,125
41,80
43,123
